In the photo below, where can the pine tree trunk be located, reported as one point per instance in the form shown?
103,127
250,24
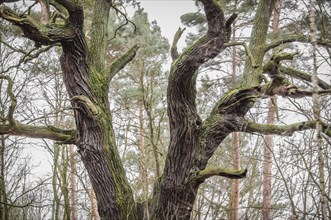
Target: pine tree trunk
94,206
143,162
73,188
268,145
235,186
235,137
267,167
4,214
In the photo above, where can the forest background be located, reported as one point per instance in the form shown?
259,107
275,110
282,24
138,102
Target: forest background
288,175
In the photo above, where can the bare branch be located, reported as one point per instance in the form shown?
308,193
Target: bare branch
231,19
218,171
302,75
42,35
281,86
174,50
295,38
127,21
28,55
75,10
120,62
49,132
285,130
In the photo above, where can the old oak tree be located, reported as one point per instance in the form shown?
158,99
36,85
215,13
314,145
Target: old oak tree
87,77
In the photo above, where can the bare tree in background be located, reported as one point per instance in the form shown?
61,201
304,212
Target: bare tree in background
193,141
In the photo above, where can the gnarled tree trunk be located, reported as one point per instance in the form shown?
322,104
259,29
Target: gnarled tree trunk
192,141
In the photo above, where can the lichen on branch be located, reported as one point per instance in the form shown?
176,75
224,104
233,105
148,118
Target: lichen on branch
42,34
285,130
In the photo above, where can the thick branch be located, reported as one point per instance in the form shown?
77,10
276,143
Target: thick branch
286,130
303,76
183,116
75,10
120,62
257,44
44,35
215,17
174,50
218,171
281,86
295,38
23,130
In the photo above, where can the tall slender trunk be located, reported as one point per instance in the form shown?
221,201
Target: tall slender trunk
268,145
64,183
267,167
235,136
56,199
73,188
235,186
317,115
94,206
143,162
4,214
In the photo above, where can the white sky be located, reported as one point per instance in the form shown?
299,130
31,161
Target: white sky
167,14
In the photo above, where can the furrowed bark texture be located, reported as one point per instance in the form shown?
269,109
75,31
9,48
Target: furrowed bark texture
92,134
87,83
176,193
192,142
86,86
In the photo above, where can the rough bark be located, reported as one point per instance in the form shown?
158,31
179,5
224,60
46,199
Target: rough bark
192,142
176,191
86,80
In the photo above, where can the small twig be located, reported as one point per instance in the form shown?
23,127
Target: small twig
248,52
125,23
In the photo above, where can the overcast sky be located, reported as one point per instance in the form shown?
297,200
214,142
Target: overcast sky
167,14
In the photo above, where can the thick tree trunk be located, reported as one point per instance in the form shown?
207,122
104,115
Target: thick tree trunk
192,142
95,141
